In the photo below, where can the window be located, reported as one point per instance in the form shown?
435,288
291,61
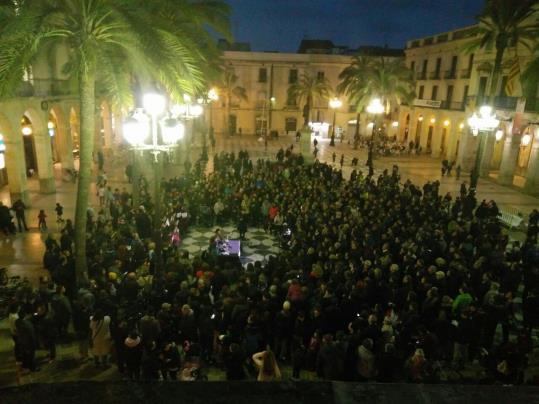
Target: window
421,92
320,76
482,88
425,65
470,62
262,75
290,124
465,94
292,76
454,62
412,66
290,101
502,87
449,96
434,93
438,66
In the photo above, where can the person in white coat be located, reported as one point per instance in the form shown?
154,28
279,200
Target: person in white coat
100,337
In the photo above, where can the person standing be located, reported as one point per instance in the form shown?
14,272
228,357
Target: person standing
42,220
59,212
5,220
26,338
133,355
101,338
19,207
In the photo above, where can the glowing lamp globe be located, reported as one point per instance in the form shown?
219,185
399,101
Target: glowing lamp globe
172,131
154,103
135,131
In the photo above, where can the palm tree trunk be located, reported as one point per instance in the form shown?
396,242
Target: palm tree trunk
228,112
87,125
500,50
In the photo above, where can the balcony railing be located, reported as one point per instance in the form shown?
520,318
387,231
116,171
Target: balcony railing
453,105
503,102
43,88
465,74
434,75
532,105
450,74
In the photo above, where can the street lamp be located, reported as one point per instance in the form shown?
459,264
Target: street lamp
482,125
208,99
334,104
375,107
137,129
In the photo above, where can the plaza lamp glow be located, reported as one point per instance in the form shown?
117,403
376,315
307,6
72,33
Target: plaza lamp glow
137,130
499,135
395,124
526,139
483,123
446,122
375,107
334,104
420,119
432,120
27,130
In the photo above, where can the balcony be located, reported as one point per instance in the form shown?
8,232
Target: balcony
453,105
532,105
450,75
502,102
465,73
43,88
434,75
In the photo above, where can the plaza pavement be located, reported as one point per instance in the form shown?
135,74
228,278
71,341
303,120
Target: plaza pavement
23,253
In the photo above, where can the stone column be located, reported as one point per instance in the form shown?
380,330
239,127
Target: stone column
508,164
45,169
65,146
437,139
16,167
531,185
424,134
487,153
467,150
453,135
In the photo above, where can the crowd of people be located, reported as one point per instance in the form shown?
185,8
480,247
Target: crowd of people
376,280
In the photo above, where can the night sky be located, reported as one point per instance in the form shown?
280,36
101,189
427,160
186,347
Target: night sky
281,24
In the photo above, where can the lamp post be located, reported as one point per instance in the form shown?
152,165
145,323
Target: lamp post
165,133
208,99
334,104
481,125
375,108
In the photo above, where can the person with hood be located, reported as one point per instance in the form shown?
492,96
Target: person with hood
171,359
365,360
133,355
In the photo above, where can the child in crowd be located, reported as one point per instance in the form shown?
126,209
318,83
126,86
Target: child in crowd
42,220
59,212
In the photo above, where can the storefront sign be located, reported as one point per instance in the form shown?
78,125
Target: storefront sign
427,103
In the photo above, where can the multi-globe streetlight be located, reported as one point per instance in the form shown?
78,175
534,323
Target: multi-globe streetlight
375,108
164,131
482,125
334,104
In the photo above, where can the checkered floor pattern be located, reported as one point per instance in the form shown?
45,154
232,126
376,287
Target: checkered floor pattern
257,246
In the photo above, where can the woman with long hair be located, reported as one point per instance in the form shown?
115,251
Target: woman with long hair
268,369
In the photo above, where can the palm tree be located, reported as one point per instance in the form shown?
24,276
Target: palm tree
368,78
159,39
306,89
230,91
502,24
530,81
